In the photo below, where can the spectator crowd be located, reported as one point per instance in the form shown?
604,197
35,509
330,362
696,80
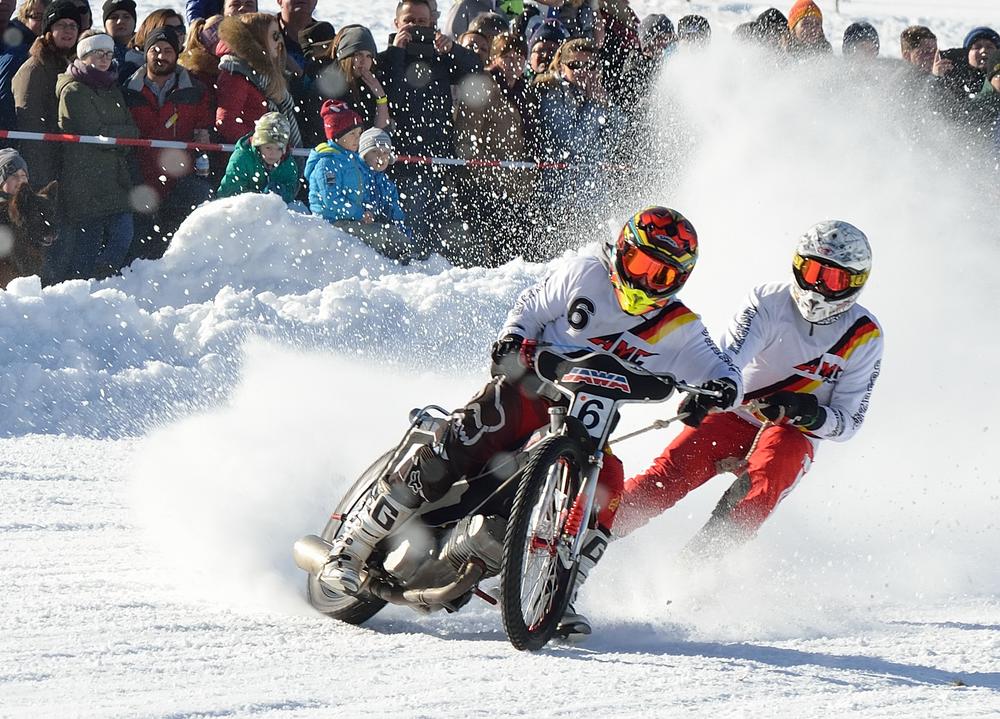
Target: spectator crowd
563,85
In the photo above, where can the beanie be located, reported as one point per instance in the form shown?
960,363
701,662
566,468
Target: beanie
10,162
354,39
163,34
694,26
654,27
60,10
374,138
981,33
317,35
271,129
92,43
111,6
550,30
860,32
338,118
802,9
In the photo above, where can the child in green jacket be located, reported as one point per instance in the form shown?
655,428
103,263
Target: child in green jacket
261,161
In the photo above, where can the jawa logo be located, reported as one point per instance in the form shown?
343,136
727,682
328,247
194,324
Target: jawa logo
598,379
827,368
621,349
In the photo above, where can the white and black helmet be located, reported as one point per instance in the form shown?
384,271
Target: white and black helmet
831,265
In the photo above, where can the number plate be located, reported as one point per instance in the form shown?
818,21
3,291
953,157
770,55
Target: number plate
593,412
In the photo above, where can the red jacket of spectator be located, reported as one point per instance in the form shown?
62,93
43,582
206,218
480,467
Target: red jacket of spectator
241,104
188,107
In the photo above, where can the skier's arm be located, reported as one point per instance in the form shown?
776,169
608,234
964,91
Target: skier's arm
845,412
539,305
696,359
747,332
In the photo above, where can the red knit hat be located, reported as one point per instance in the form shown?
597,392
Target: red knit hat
802,9
338,118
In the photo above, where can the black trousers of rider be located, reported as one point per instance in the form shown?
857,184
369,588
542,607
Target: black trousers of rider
498,420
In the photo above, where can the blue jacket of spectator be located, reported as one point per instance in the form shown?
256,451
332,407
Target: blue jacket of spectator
202,8
383,201
338,179
12,56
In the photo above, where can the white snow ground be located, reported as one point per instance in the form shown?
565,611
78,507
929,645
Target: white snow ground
167,435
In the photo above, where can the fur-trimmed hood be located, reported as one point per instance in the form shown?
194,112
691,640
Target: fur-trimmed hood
242,44
46,53
199,61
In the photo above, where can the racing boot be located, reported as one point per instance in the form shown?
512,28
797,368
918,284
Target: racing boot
381,514
574,626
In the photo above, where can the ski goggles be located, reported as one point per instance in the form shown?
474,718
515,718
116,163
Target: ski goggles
828,279
646,271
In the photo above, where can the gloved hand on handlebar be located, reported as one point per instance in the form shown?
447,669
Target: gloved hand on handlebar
800,408
697,406
512,355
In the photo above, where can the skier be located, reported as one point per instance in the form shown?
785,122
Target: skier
810,356
623,304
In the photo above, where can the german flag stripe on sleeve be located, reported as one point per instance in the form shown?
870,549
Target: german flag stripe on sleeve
673,316
795,383
862,331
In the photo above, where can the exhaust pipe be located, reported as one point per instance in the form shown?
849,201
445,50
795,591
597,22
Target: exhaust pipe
433,596
311,553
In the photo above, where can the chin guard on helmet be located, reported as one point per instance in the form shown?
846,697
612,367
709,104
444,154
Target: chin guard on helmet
652,259
830,266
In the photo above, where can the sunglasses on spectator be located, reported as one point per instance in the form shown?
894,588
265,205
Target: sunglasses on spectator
580,65
35,16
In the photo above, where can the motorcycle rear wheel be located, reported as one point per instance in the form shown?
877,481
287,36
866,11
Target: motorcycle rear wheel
535,584
346,608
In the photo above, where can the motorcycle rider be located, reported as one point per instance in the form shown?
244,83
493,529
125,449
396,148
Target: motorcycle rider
810,356
623,304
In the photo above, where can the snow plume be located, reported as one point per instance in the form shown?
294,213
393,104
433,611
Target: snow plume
901,512
224,495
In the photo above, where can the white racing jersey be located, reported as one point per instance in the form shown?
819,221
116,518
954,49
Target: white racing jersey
575,308
778,350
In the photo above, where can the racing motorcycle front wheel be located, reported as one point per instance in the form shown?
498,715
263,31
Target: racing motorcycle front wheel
535,581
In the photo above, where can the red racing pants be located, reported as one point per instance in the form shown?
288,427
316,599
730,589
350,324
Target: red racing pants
782,455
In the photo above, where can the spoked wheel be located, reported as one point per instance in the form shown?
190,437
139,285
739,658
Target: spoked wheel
344,607
535,580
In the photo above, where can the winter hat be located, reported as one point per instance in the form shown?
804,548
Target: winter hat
694,26
860,32
981,33
10,162
354,39
551,30
271,128
992,68
374,138
313,38
111,6
60,10
338,118
92,43
653,27
163,34
803,9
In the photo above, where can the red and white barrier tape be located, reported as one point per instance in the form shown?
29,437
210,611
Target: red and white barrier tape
299,151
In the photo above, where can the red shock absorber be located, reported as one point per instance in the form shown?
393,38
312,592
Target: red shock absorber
575,518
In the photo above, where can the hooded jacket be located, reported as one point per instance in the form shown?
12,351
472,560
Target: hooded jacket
11,58
246,172
337,183
96,179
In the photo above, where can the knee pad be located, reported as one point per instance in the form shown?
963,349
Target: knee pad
425,477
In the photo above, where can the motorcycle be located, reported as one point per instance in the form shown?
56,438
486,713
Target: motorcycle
523,518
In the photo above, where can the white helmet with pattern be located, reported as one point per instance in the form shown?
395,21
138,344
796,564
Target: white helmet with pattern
831,265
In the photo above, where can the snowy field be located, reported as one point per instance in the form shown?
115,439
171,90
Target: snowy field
165,437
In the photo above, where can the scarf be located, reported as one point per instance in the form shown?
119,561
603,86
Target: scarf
286,106
92,77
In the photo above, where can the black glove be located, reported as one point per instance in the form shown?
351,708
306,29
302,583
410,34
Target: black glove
697,405
512,355
801,408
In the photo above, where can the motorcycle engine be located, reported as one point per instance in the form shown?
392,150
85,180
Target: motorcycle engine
476,536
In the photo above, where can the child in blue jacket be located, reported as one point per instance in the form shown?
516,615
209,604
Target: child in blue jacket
375,148
339,181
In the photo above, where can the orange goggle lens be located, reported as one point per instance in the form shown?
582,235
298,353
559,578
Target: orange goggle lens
647,271
833,278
